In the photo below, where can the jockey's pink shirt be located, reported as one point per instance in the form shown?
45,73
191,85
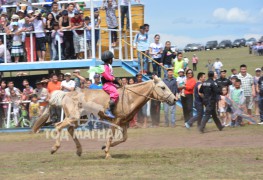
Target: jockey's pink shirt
109,87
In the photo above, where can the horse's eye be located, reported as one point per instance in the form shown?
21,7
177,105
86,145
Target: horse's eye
163,88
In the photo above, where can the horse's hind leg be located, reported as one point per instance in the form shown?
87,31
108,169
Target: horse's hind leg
59,126
71,130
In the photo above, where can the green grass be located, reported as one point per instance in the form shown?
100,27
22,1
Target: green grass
231,58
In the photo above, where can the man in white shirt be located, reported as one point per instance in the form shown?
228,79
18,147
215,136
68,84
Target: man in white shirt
39,23
67,85
217,66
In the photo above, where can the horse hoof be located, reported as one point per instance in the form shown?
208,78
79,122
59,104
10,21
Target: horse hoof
52,151
79,153
108,157
103,147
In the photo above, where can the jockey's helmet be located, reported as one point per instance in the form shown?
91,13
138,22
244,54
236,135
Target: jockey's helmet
106,56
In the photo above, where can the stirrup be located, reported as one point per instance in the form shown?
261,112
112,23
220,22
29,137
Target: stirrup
109,114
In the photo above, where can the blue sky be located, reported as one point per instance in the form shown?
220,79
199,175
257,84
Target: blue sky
198,21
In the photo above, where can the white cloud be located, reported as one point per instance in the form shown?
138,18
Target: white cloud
233,15
182,41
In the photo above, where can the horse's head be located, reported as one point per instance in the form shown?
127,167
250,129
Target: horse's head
162,92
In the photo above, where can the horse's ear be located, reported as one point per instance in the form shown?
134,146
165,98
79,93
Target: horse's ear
156,79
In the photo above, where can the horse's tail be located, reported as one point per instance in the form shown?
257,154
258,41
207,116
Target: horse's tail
55,101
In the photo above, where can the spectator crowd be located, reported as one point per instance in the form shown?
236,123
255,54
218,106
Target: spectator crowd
61,26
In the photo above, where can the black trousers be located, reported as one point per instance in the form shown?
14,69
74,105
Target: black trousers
187,103
114,35
210,110
125,12
194,67
69,51
155,112
199,116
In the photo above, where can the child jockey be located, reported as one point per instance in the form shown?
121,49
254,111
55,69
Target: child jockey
109,81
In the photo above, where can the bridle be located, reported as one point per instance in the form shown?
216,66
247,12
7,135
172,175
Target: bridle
148,97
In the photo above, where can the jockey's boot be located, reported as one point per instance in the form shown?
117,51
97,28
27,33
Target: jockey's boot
109,111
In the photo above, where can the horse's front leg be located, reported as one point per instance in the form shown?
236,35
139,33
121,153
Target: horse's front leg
108,144
124,136
59,126
71,130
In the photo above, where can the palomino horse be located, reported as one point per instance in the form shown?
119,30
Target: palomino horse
132,99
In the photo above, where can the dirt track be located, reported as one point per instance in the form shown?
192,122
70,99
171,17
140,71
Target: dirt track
154,138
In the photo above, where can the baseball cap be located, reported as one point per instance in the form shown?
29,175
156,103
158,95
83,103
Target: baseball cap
96,76
258,70
38,82
76,70
67,74
20,11
14,16
180,70
64,12
30,11
96,9
3,13
76,12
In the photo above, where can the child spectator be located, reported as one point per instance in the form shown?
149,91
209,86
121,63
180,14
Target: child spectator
14,98
111,19
27,91
34,110
209,66
57,40
42,95
167,57
222,106
195,62
17,48
87,26
181,79
237,96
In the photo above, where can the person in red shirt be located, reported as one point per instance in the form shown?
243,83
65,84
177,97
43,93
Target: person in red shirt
187,100
78,35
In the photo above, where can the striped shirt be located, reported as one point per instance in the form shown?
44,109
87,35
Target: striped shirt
247,82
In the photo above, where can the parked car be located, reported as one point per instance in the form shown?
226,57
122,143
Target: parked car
225,44
261,39
188,48
243,42
238,43
210,45
251,41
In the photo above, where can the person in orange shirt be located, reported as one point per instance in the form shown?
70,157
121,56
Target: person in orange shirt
53,85
187,100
